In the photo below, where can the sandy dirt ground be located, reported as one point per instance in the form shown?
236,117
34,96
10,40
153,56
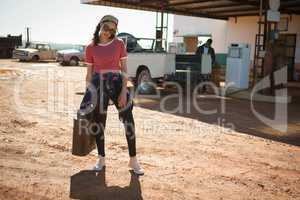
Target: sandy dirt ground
185,155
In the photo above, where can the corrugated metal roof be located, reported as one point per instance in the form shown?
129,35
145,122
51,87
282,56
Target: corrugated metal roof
217,9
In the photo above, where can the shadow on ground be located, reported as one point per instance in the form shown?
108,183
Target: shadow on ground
89,184
237,112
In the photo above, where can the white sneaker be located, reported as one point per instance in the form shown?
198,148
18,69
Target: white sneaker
100,164
133,164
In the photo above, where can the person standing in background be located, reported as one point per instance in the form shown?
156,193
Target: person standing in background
207,49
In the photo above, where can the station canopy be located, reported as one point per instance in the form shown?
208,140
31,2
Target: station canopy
216,9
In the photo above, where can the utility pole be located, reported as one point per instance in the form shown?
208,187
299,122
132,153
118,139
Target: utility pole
27,38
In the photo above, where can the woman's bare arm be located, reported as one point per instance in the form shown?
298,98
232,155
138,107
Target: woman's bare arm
89,72
124,73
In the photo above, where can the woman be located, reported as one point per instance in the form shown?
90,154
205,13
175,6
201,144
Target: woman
107,69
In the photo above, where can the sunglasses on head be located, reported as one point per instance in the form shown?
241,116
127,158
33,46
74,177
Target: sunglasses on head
106,28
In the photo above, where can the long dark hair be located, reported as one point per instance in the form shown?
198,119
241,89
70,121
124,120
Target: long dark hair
96,39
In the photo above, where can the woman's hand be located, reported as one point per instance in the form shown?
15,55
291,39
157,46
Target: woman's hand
123,98
88,79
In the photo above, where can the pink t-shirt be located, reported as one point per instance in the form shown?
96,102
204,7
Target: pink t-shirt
106,57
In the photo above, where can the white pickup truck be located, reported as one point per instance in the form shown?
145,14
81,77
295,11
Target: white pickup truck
145,67
35,52
144,63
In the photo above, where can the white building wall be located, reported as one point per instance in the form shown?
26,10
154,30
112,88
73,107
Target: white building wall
245,28
195,25
242,30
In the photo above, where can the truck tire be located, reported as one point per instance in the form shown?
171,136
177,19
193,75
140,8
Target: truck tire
35,58
144,82
74,61
143,76
63,63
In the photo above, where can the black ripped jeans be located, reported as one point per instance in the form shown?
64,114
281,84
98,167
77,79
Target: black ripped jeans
105,87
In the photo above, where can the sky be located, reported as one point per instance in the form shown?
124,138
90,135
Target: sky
69,21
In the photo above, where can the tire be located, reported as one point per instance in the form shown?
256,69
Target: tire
144,82
63,63
74,61
143,76
35,58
